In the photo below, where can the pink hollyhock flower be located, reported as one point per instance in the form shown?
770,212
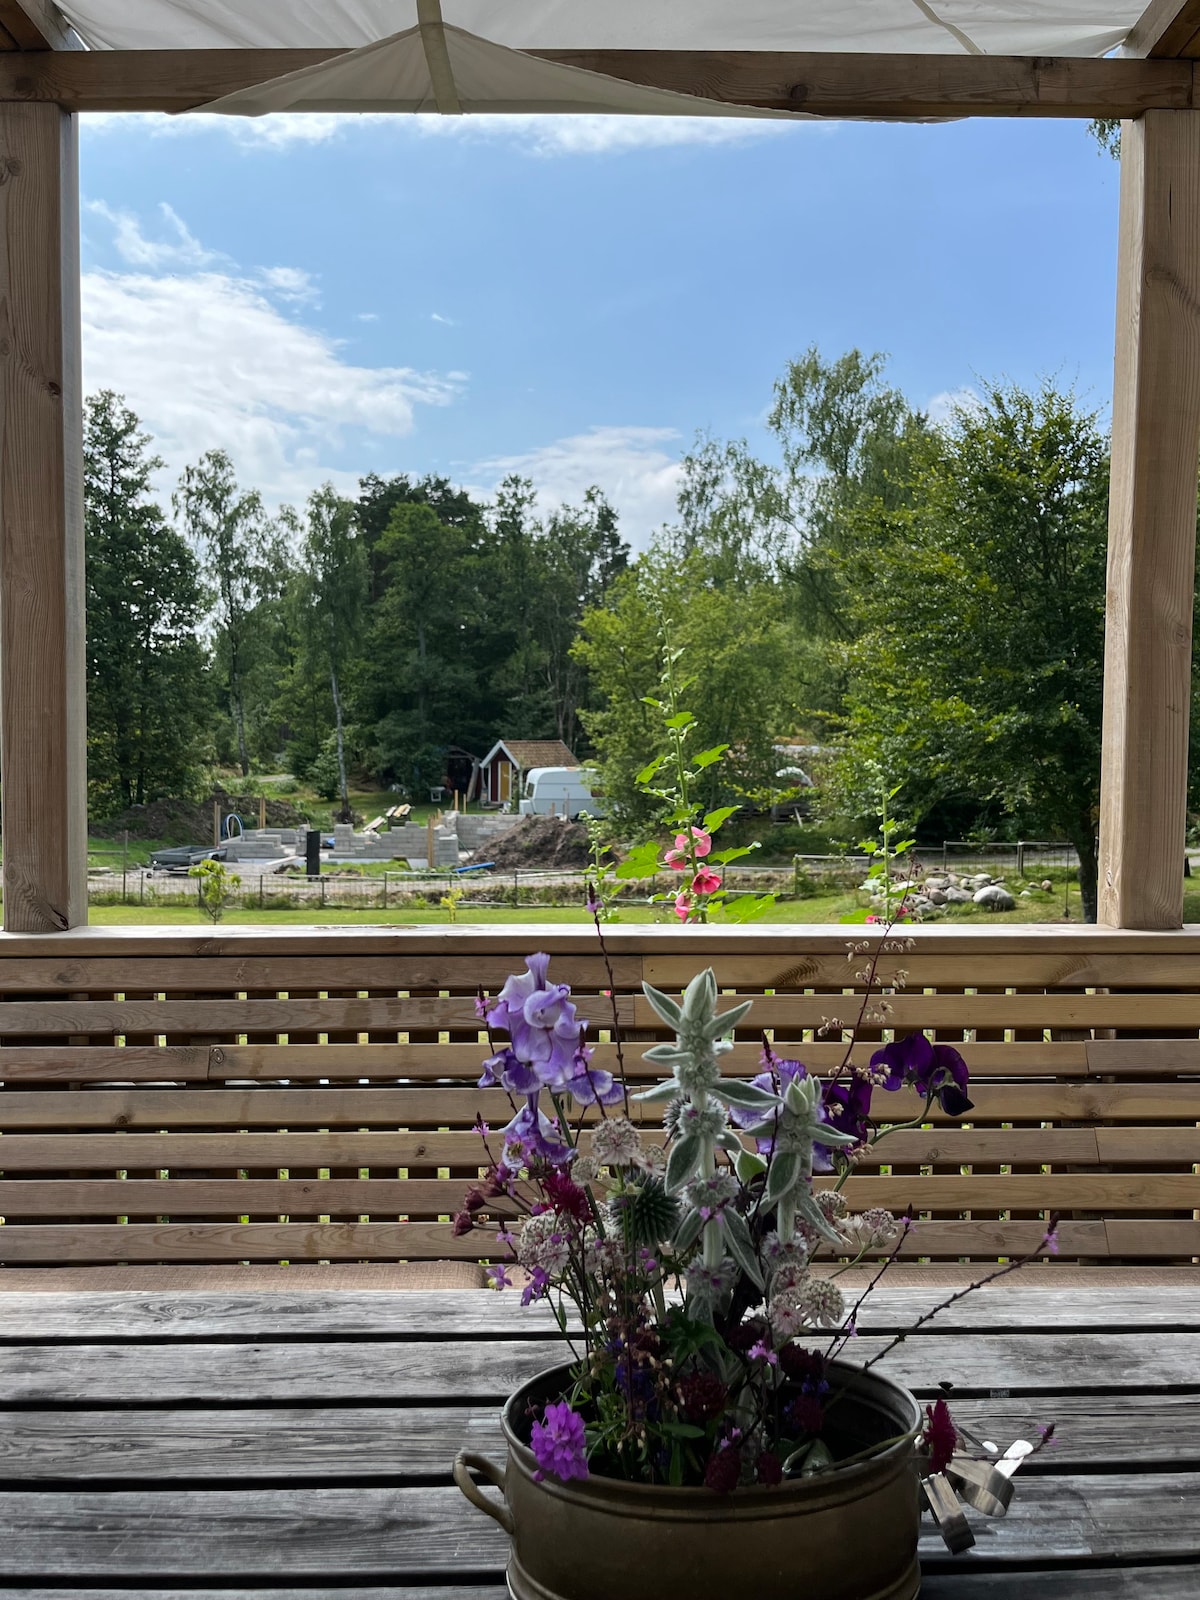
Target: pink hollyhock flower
706,881
676,859
701,842
683,905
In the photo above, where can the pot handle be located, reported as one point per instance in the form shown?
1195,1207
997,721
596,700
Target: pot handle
466,1461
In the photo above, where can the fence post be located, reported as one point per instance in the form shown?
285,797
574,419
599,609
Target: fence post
385,878
142,887
262,878
322,893
1020,858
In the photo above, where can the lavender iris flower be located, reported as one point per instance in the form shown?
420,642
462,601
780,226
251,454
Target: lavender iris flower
536,1137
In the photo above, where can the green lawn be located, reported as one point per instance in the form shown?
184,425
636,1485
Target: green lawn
829,908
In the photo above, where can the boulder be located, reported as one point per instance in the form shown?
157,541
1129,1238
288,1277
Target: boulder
958,896
994,898
938,897
1047,885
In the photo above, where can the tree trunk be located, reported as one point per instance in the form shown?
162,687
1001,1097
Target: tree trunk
345,815
1089,875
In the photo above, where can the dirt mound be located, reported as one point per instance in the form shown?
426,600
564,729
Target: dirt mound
539,844
191,822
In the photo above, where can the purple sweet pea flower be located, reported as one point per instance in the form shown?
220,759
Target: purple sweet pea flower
535,1289
590,1084
931,1069
507,1070
846,1106
559,1443
544,1031
535,1136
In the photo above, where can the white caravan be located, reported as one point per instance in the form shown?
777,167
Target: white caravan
558,792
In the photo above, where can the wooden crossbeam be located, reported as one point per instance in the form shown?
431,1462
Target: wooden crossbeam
829,85
1167,28
34,25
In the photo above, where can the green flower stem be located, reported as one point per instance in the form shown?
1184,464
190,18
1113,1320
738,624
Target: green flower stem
892,1127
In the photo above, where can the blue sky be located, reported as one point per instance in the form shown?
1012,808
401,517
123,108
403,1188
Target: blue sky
569,298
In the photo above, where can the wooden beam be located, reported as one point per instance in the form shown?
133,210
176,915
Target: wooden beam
42,712
1152,525
844,85
1167,28
36,25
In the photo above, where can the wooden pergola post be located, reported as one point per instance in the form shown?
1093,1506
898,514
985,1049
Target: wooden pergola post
43,739
1152,525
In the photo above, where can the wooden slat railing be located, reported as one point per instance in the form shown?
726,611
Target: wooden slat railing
254,1095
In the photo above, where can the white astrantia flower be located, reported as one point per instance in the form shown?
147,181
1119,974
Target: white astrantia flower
616,1143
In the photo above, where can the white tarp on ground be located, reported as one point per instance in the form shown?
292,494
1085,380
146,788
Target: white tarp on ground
994,27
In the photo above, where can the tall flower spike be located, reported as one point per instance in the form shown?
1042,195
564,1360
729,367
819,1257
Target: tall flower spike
701,1037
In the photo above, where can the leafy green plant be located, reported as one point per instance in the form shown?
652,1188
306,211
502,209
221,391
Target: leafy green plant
216,887
671,779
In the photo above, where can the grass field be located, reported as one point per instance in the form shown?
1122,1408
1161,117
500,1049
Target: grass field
830,908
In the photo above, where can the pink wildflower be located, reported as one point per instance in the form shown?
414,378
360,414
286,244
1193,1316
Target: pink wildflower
701,841
676,859
683,905
941,1436
706,881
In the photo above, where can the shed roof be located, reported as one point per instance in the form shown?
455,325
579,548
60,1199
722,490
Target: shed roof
529,753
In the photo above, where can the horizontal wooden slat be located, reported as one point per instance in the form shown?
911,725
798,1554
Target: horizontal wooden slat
789,1015
33,1152
362,1532
382,1197
22,1243
349,1441
317,1373
98,1063
1031,1303
821,83
449,1107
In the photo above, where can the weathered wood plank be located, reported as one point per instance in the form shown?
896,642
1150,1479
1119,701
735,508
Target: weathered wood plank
1152,534
1017,1305
95,1243
36,25
372,1533
42,735
821,83
1127,1431
317,1372
1122,1583
429,1197
1166,28
414,1106
788,1014
948,1145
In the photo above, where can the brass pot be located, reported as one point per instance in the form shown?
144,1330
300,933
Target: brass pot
847,1534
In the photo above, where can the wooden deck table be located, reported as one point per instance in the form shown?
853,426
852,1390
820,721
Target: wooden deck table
205,1446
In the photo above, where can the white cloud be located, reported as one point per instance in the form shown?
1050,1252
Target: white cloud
179,249
941,407
436,316
634,466
208,361
531,133
367,316
291,284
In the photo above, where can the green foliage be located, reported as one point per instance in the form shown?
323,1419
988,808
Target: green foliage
216,887
978,610
148,716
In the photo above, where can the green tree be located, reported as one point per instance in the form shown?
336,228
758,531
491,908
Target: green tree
978,610
147,691
336,571
736,671
231,533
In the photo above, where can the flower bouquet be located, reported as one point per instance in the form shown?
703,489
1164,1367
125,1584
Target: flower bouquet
711,1356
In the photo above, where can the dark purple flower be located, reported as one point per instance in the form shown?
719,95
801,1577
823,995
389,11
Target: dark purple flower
592,900
498,1277
940,1435
567,1197
770,1469
724,1469
931,1069
806,1414
559,1443
702,1396
462,1224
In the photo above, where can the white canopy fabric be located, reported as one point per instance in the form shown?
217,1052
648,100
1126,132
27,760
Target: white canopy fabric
992,27
469,56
